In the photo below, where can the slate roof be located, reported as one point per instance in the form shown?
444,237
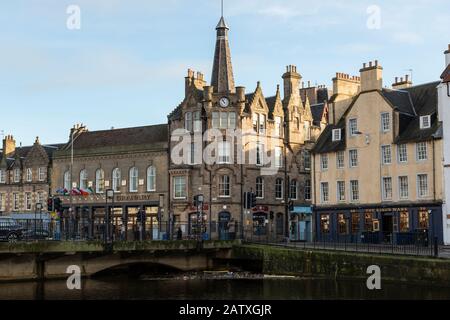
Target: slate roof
400,100
121,137
317,112
22,152
325,143
271,101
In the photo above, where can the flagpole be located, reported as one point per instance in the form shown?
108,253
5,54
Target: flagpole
71,176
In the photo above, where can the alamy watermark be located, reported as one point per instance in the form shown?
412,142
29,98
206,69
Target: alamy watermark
374,280
374,17
74,280
73,21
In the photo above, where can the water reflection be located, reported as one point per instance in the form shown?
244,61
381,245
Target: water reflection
122,287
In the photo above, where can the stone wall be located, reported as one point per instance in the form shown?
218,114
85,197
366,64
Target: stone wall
283,261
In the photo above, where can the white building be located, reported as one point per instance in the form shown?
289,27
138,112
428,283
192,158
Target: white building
444,116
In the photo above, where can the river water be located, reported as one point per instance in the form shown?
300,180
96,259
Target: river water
198,286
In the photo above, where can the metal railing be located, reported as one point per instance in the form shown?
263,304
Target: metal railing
418,243
66,229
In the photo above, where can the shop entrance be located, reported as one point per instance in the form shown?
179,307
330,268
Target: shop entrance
388,227
224,225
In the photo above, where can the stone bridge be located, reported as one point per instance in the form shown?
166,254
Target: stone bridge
49,260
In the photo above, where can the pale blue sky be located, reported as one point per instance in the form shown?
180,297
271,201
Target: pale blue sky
126,65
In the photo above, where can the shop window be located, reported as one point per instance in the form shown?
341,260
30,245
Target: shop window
325,223
368,221
259,224
404,221
342,224
355,222
424,219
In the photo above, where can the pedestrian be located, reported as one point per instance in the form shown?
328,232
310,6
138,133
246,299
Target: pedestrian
179,234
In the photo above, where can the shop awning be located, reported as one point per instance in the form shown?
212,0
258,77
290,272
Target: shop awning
302,209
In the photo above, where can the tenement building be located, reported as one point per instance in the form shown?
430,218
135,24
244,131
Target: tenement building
378,164
226,142
25,176
130,162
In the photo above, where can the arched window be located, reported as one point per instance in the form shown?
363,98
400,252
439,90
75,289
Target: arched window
293,190
279,188
83,179
116,179
151,178
67,180
260,187
99,181
134,174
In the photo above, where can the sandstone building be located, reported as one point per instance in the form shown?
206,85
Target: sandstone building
25,174
377,166
132,162
283,128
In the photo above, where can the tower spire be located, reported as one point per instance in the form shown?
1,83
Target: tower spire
222,74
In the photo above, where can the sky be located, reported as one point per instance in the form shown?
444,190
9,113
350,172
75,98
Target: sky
125,65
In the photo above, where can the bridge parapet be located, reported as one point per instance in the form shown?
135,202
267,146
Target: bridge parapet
98,246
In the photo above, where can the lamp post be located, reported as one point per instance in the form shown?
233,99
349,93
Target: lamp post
38,208
109,196
160,216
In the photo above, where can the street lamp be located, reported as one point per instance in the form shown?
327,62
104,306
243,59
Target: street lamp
160,215
38,208
109,196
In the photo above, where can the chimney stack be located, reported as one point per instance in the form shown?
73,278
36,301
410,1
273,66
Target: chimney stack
292,81
447,56
371,76
9,145
402,83
345,84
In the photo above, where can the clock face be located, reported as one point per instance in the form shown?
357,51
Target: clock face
224,102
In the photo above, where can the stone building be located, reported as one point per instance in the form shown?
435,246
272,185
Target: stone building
132,161
25,176
258,144
377,166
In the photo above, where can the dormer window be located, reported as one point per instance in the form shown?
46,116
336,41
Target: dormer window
425,122
336,134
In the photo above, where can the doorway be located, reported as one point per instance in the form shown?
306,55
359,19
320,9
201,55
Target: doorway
387,227
224,220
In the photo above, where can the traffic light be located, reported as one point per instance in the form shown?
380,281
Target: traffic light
252,200
198,200
141,216
50,204
272,216
57,204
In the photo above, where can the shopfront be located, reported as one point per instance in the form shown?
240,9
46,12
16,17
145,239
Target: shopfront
387,225
300,224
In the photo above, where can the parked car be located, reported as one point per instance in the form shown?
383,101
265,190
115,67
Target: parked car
10,230
38,234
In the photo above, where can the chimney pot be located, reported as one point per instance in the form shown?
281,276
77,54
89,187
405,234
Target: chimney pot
370,63
364,65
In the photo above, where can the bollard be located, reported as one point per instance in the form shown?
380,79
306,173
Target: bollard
436,247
